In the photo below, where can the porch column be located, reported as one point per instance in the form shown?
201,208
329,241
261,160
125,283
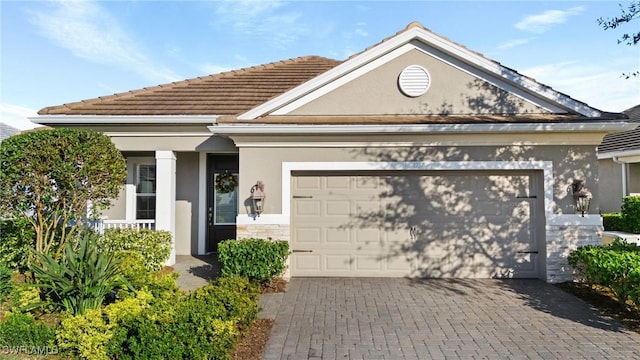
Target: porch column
166,197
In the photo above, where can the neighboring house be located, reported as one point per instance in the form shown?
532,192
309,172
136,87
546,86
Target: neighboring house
6,131
619,161
415,157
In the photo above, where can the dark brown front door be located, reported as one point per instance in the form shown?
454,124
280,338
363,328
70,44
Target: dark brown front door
222,203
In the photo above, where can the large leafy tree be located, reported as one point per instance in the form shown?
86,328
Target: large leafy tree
628,14
50,177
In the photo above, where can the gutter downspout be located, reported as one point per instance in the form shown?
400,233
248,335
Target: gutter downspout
624,174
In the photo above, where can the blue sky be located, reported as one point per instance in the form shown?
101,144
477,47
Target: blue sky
54,52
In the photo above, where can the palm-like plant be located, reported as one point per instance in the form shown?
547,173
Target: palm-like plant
83,278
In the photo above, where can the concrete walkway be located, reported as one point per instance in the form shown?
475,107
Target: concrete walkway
367,318
195,271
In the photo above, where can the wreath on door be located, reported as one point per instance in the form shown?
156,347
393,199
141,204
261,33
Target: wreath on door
226,182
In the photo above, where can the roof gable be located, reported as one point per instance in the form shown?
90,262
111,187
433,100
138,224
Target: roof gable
417,38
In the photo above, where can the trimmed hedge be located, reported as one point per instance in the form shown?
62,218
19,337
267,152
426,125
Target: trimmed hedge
612,221
204,324
19,329
631,214
615,266
257,259
153,245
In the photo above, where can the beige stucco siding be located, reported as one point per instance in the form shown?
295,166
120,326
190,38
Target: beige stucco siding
187,203
610,185
118,209
175,143
634,178
452,91
569,163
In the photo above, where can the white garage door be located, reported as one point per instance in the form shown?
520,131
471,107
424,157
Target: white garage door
420,224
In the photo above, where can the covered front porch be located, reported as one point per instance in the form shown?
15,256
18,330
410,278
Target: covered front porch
175,191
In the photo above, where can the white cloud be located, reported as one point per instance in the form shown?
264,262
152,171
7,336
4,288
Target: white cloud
261,18
513,43
539,23
599,86
16,116
90,32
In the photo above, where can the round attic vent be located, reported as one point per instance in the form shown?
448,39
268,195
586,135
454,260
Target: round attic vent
414,80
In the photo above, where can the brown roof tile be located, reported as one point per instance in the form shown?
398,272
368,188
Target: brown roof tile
226,93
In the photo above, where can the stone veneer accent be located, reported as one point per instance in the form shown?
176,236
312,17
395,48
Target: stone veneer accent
263,231
561,240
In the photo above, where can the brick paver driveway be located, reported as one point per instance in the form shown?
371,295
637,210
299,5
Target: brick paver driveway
367,318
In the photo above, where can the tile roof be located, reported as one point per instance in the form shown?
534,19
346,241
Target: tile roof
624,141
6,131
226,93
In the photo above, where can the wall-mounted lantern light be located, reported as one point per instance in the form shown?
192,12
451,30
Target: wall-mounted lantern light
257,198
581,196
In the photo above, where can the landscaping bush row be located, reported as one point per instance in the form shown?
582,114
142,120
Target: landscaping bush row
615,266
104,302
627,220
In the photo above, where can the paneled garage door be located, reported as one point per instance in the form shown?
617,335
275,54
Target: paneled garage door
420,224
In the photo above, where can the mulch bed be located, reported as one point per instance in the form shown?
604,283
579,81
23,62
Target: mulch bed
255,338
602,299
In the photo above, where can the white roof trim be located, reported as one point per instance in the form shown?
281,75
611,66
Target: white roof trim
437,42
616,154
283,129
124,119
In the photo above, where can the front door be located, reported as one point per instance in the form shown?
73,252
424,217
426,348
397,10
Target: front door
222,202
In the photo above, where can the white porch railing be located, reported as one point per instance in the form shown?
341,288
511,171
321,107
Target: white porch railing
102,225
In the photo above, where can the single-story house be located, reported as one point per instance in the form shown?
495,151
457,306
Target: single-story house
619,162
415,157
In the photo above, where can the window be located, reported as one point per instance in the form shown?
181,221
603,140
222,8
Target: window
145,181
226,204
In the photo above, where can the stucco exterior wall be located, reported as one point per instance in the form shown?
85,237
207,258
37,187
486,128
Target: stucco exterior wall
610,185
187,203
118,209
452,91
634,178
570,162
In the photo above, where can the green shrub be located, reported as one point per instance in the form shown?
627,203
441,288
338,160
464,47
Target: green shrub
184,329
153,245
25,297
85,335
20,329
257,259
6,284
615,266
233,298
203,324
17,237
631,214
160,285
82,278
612,222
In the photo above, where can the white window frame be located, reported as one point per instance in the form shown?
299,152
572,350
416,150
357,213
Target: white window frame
130,189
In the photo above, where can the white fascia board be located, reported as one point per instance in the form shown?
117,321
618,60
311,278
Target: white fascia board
437,42
262,129
124,119
619,155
